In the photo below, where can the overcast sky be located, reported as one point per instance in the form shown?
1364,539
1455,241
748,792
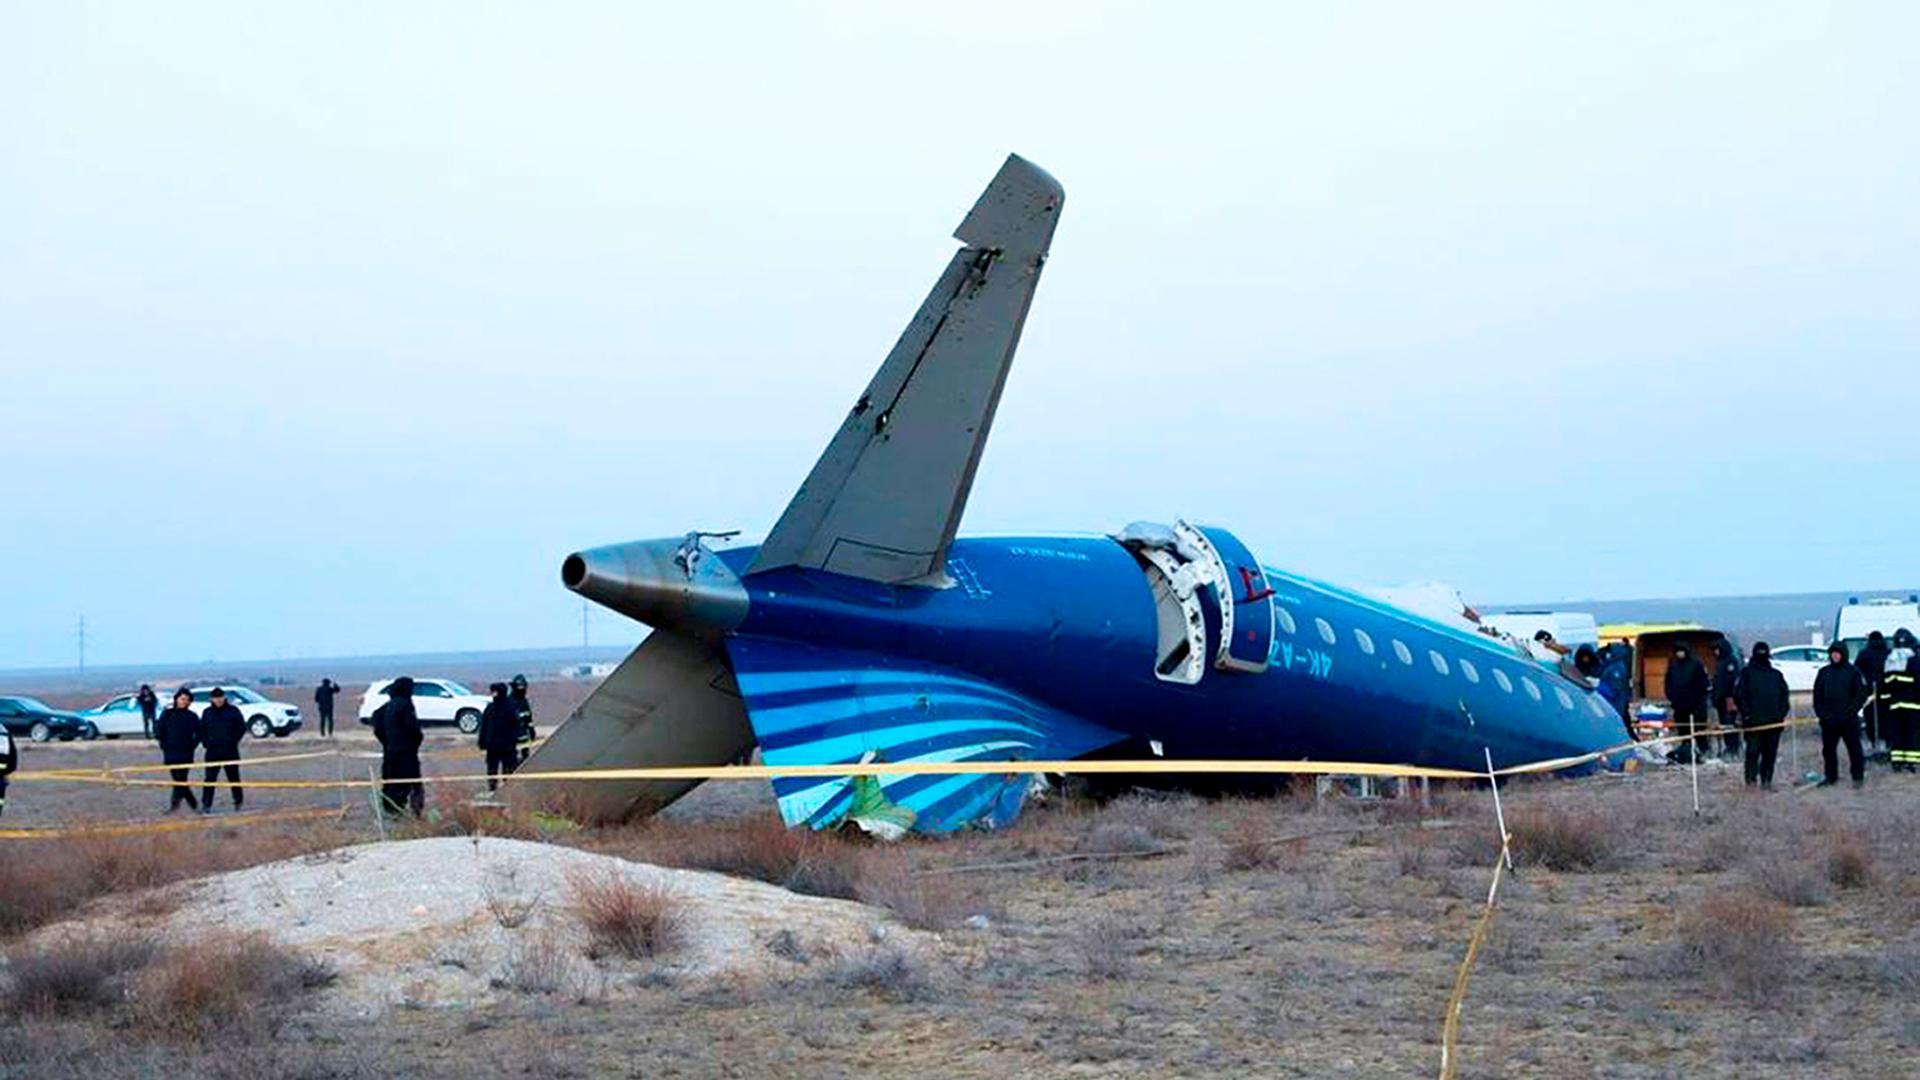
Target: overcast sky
332,328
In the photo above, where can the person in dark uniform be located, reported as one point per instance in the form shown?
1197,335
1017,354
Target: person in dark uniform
1687,693
178,730
1616,678
1899,702
1873,667
1726,672
149,703
9,761
500,735
323,696
221,729
1762,698
397,726
517,694
1838,692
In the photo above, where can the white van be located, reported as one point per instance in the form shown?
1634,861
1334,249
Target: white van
1570,628
1857,618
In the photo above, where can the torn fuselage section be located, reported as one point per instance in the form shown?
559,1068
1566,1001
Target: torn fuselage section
1211,600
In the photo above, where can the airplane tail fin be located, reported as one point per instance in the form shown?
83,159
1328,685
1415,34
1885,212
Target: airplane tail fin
884,501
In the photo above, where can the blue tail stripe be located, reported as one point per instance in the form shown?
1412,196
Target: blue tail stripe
881,721
795,722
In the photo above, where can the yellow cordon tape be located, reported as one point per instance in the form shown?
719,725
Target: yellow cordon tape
195,822
105,770
1150,766
1450,1029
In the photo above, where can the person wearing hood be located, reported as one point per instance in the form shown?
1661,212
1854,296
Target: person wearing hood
500,735
522,708
397,726
1726,671
221,729
323,696
178,730
1616,678
1899,702
1687,693
9,761
149,703
1763,700
1838,692
1872,663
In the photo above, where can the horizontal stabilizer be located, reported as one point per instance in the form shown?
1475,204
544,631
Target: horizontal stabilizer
884,501
671,702
812,705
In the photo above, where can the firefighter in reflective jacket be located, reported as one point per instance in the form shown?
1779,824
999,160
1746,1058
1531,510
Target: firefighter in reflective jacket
1899,703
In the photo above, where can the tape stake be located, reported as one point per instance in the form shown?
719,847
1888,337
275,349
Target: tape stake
1499,814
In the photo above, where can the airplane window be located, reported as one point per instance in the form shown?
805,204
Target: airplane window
1400,650
1364,640
1326,630
1285,617
1565,701
1501,678
1439,662
1533,690
1598,709
1472,673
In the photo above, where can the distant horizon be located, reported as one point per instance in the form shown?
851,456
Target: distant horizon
619,648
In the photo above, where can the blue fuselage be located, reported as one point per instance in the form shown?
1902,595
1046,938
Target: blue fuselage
1069,621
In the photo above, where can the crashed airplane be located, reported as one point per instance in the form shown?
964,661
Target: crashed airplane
864,629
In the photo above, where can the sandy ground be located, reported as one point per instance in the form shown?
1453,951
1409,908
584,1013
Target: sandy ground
1331,953
444,921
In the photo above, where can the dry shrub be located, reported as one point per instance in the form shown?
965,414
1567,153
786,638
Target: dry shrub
1796,882
1120,838
921,901
1150,814
1849,861
72,975
535,964
1109,945
509,904
623,917
451,813
46,880
805,861
1248,847
1565,840
1741,939
1416,853
884,972
220,979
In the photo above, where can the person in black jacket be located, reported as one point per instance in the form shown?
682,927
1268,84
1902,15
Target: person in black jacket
517,694
323,696
1687,693
397,726
178,730
1838,692
500,735
9,761
1726,672
1761,695
1873,667
149,703
221,728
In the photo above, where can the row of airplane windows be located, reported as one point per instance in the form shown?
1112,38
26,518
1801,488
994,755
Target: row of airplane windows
1405,655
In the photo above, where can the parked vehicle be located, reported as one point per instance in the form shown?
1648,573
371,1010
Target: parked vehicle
264,717
438,701
1800,663
40,721
1653,644
1856,619
116,717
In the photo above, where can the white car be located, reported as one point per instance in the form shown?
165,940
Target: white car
1799,664
121,716
436,701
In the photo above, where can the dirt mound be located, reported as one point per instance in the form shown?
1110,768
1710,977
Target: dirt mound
457,920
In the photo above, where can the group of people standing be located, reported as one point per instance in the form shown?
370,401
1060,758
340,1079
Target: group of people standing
1881,688
506,729
181,732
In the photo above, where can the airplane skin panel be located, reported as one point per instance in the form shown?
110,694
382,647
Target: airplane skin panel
671,702
885,498
816,705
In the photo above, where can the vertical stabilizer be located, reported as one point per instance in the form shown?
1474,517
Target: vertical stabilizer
884,501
